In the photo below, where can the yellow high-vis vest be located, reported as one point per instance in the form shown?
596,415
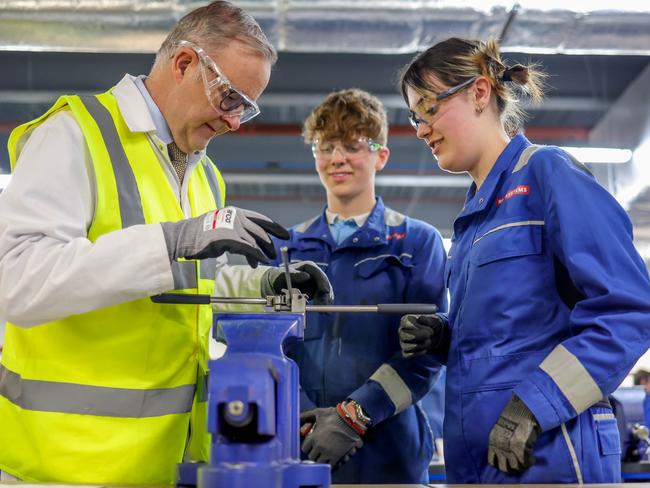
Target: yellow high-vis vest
107,397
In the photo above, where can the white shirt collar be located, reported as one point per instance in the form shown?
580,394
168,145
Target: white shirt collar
162,129
358,219
140,112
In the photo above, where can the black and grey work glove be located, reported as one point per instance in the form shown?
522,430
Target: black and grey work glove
512,438
228,229
305,275
331,440
423,334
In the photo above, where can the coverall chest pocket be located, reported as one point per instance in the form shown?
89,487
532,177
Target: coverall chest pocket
506,278
369,267
509,240
383,278
309,251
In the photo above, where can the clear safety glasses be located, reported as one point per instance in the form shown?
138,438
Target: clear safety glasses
431,111
221,94
348,149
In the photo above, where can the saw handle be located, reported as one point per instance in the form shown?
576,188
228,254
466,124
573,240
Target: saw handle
181,298
407,308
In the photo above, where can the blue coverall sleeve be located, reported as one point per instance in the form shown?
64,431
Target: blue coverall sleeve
305,402
401,382
591,235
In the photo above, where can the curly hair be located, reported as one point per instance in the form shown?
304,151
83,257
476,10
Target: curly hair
346,115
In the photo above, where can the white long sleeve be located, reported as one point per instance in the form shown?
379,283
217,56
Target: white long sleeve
237,280
48,267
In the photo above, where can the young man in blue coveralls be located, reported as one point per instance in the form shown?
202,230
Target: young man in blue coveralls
359,395
550,302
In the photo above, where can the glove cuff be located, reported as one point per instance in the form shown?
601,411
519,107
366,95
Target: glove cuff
358,427
266,285
444,339
518,409
171,232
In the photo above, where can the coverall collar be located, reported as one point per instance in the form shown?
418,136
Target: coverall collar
372,233
477,201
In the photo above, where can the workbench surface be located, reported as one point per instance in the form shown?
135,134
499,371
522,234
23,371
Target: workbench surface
620,485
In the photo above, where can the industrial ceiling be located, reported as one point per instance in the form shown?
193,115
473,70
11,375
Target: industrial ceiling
596,53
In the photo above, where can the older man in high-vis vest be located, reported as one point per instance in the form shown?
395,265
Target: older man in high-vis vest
112,200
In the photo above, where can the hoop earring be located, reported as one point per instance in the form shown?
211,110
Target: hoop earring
479,109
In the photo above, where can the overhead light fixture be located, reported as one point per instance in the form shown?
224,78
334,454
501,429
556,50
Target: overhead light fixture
600,154
585,5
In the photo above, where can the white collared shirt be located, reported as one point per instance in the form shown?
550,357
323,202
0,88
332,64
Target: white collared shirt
332,217
48,267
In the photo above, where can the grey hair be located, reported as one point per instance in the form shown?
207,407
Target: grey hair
214,25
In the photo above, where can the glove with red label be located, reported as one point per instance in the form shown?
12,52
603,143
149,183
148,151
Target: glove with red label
228,229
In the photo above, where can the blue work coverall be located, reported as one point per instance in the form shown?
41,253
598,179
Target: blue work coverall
391,259
514,329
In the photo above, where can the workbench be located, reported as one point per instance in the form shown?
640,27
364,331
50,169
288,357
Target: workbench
613,485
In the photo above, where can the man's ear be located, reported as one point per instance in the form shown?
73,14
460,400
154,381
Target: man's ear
181,61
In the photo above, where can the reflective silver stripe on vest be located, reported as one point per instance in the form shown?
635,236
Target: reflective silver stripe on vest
213,182
511,224
208,268
572,453
50,396
127,189
184,273
571,377
394,386
525,157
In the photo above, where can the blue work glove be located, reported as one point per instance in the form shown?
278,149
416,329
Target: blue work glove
331,439
305,275
512,438
228,229
423,334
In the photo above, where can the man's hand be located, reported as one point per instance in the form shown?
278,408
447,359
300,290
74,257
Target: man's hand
330,440
305,275
423,334
512,438
228,229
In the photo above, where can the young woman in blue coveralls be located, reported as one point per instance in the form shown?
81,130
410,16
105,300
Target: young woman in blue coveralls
550,302
359,395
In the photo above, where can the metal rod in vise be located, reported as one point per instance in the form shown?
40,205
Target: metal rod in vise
284,250
396,308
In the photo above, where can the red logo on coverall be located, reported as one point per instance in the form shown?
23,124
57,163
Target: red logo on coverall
520,190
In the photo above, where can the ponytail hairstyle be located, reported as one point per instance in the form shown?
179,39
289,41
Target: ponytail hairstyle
456,60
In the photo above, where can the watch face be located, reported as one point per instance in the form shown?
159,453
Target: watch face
361,415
